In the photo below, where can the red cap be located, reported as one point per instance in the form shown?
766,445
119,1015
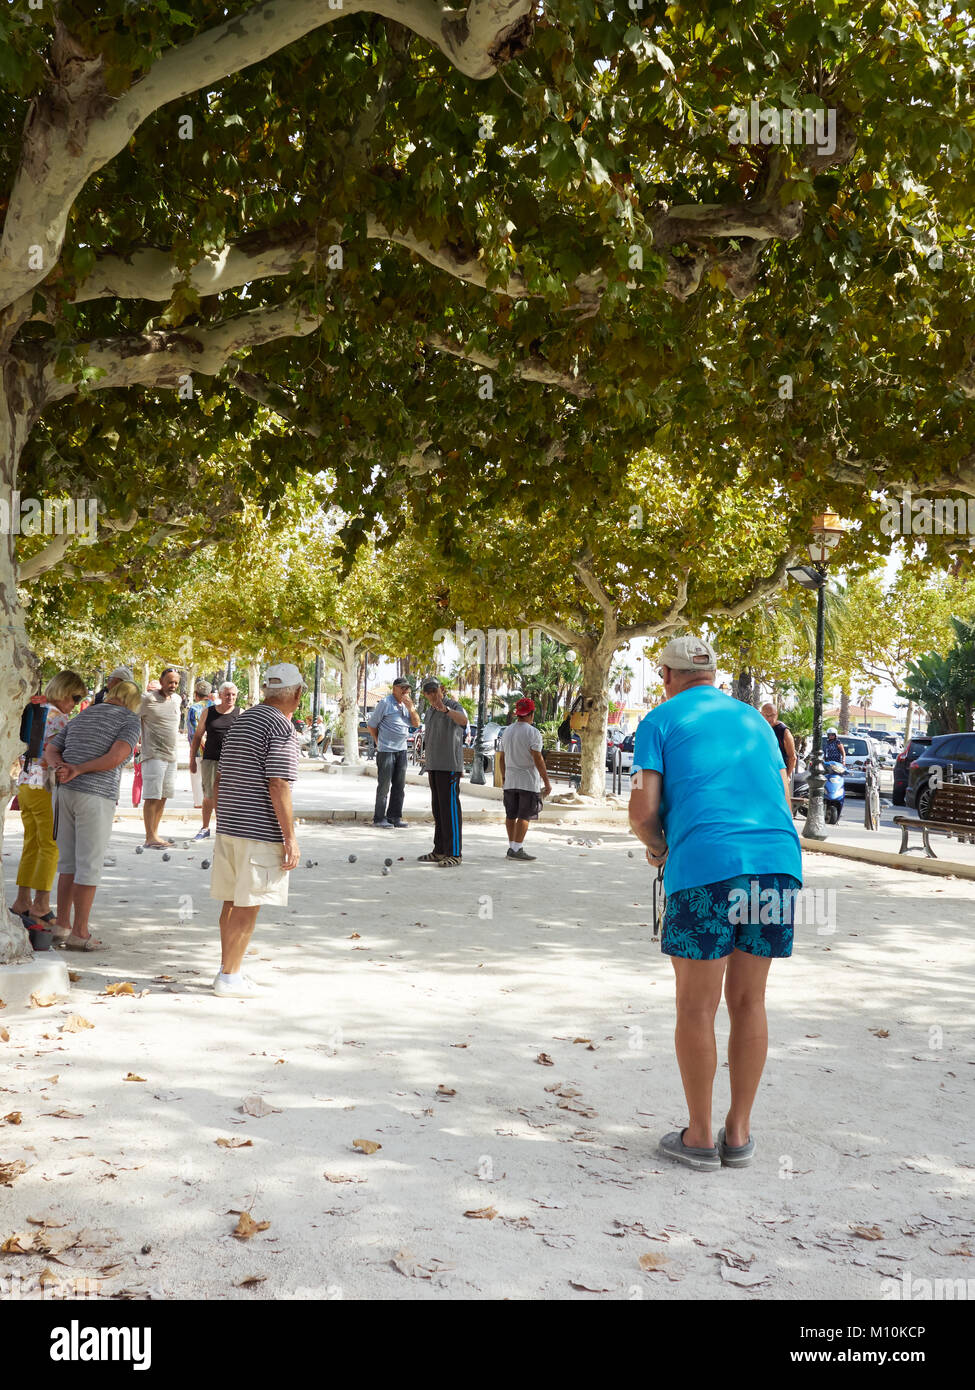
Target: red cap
526,706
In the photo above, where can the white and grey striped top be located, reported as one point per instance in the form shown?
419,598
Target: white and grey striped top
259,744
90,735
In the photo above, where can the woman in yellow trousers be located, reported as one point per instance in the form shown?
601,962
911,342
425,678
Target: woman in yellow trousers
35,786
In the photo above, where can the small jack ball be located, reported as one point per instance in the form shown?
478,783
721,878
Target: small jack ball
165,858
387,862
204,864
351,858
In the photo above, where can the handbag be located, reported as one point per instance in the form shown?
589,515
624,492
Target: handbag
137,784
578,715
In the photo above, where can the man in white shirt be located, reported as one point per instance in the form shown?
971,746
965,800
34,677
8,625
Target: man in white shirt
159,711
524,776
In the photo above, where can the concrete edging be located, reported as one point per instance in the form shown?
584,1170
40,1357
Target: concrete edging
942,868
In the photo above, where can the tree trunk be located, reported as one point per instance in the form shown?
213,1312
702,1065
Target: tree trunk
254,681
844,721
145,675
595,687
344,656
17,662
742,687
908,721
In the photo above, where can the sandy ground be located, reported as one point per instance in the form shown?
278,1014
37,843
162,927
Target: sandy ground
410,1010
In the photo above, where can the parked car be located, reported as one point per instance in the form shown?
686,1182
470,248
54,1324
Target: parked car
860,750
625,747
954,751
911,750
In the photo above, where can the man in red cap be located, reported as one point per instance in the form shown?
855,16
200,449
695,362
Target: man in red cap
524,776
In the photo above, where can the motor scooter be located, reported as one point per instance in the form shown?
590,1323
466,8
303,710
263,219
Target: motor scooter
834,792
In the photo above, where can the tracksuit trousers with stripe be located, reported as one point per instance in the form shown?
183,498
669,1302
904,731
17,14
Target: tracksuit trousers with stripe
445,795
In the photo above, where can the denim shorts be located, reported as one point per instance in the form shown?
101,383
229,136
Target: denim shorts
750,913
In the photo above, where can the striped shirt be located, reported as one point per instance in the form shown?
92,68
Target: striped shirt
90,735
259,744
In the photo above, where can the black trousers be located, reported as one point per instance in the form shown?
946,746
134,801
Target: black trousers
447,820
390,785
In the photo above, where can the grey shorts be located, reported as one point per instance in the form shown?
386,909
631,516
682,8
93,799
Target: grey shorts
208,771
84,830
158,779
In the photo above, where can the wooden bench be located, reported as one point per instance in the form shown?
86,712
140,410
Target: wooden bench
564,767
952,814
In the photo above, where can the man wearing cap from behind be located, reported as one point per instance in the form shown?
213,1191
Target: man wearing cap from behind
121,673
524,776
255,847
710,800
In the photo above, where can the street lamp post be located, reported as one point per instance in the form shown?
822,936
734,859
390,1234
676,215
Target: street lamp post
827,531
477,767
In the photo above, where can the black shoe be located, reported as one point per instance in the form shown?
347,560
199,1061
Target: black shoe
520,854
400,824
383,824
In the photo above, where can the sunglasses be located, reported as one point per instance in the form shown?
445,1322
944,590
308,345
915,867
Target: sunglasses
77,699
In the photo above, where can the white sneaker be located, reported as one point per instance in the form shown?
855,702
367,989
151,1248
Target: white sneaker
242,988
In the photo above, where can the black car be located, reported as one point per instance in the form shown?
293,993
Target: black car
954,751
905,757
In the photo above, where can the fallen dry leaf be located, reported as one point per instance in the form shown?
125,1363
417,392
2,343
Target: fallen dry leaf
14,1118
47,1277
445,1091
366,1146
544,1060
119,987
63,1114
74,976
879,1032
235,1143
247,1226
482,1213
408,1264
20,1244
651,1262
582,1040
131,1076
11,1170
868,1232
44,1221
354,937
258,1107
458,1044
4,1035
589,1285
250,1281
75,1024
42,1001
559,1088
333,1177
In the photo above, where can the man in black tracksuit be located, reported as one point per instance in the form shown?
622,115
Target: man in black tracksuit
443,758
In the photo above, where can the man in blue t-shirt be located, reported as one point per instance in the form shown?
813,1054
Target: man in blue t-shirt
389,724
710,801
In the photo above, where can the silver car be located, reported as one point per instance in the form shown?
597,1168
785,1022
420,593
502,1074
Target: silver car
860,750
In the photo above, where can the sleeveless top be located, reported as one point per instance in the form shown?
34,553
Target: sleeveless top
779,730
215,731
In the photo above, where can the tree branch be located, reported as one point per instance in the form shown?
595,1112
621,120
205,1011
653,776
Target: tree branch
167,358
759,590
75,127
530,369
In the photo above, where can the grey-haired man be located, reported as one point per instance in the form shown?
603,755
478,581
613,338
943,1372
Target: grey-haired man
121,673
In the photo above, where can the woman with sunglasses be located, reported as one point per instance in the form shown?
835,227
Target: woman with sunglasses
35,786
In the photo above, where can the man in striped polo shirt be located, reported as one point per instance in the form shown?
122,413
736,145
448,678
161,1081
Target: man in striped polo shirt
255,847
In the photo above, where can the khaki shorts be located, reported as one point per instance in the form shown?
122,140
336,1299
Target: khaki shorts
158,779
208,771
248,873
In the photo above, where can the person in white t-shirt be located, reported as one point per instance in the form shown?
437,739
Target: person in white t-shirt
524,776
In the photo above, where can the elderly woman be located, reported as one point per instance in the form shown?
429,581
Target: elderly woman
35,785
87,758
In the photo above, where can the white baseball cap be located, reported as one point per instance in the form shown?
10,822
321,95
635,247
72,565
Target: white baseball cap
121,673
280,676
688,654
